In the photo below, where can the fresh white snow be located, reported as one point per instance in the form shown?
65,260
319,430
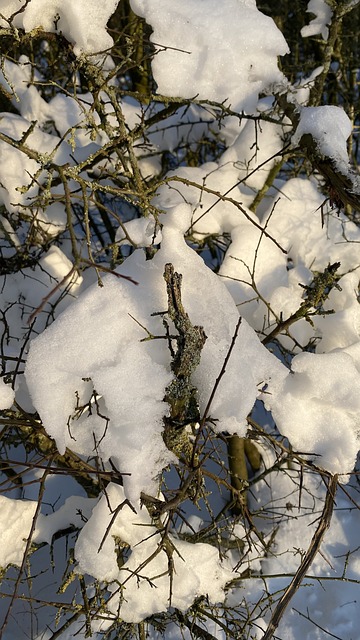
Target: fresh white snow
194,60
15,528
320,24
98,382
330,127
82,23
7,395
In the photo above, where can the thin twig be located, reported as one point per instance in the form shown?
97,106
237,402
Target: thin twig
313,549
224,198
27,547
98,267
221,374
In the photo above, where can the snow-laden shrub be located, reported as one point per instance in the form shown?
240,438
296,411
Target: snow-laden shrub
180,388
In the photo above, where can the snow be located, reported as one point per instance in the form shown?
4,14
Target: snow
23,293
15,527
74,512
7,395
193,60
115,356
18,170
341,329
294,220
87,399
144,576
328,422
325,590
17,81
140,232
254,165
112,359
82,23
318,25
330,127
74,118
199,187
99,367
304,85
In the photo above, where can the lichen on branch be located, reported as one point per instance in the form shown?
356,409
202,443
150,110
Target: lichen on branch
181,394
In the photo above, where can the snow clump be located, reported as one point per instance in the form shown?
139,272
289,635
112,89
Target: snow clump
83,23
194,60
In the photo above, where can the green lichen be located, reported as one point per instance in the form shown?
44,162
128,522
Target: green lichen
181,394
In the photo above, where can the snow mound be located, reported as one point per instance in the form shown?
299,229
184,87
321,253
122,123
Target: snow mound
318,407
194,59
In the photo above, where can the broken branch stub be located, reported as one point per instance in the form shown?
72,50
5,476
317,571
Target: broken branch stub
181,394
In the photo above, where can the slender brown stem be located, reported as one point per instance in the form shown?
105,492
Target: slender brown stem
308,559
